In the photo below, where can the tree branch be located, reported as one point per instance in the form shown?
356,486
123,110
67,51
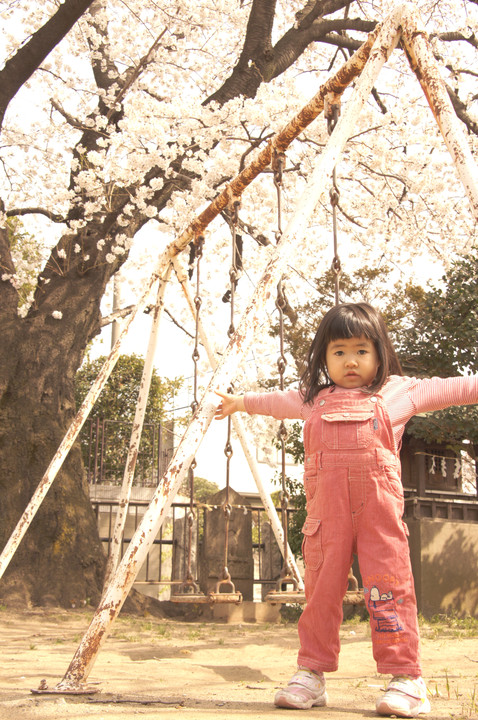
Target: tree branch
457,37
461,111
255,68
319,8
19,68
18,212
124,312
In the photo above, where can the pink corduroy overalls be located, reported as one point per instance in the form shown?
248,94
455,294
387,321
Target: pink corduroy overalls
355,505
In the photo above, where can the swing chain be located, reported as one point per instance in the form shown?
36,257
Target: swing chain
332,114
282,432
233,272
228,451
281,304
199,243
188,589
278,165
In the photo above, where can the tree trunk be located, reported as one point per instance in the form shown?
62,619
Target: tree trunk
60,560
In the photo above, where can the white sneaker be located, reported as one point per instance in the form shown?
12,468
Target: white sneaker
404,697
304,690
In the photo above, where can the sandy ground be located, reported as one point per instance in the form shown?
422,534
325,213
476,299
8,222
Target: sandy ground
155,668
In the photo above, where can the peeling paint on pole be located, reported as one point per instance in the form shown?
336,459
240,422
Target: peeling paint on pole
138,421
423,63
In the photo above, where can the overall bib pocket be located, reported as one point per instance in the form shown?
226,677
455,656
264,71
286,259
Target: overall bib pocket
312,544
348,429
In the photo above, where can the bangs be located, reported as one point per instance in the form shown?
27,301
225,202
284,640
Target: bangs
350,320
350,325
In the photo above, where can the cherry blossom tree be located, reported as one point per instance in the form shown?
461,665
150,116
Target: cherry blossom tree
120,119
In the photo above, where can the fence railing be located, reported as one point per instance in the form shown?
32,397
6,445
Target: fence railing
166,563
105,443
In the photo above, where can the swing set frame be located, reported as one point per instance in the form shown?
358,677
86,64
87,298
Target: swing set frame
403,25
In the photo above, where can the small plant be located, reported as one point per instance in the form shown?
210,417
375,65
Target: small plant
291,613
163,631
473,704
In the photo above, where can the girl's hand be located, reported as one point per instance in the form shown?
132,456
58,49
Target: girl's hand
228,405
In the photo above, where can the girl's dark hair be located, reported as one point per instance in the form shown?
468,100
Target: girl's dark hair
347,321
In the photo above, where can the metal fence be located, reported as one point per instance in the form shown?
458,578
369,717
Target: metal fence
105,443
165,565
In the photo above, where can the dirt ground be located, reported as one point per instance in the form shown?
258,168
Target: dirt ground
162,668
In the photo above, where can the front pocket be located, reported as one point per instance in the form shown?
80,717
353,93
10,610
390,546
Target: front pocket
312,544
347,430
310,486
392,482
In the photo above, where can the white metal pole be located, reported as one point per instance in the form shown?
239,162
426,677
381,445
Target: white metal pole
138,422
242,435
113,600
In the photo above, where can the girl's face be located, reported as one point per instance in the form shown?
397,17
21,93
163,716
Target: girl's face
352,362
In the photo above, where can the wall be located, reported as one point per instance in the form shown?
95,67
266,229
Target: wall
444,556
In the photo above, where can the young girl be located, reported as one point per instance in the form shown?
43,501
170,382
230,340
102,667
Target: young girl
355,403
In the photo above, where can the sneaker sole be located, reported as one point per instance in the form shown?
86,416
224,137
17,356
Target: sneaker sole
287,701
385,708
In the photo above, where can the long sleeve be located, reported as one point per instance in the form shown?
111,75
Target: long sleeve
282,405
437,393
406,397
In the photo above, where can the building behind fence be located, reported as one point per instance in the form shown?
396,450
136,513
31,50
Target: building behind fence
442,520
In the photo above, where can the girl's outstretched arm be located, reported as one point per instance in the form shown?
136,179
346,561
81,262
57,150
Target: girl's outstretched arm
228,405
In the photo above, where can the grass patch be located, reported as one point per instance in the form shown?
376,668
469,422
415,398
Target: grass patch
450,625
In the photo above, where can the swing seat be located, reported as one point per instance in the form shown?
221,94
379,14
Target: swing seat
188,592
283,595
220,596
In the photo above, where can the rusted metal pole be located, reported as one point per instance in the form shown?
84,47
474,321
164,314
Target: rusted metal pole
241,434
347,73
140,411
240,342
424,65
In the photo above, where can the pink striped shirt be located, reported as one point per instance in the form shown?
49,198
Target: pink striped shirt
404,397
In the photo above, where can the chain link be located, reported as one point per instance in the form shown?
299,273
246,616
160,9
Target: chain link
199,243
228,451
278,165
233,271
191,516
332,114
